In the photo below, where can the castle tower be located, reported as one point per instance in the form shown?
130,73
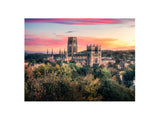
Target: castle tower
72,46
93,55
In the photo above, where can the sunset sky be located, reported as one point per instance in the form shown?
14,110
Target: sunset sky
111,34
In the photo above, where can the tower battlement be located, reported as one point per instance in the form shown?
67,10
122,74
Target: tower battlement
93,54
93,47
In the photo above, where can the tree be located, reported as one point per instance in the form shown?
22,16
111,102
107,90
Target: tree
68,83
114,78
28,73
117,59
118,80
112,91
114,72
128,76
102,73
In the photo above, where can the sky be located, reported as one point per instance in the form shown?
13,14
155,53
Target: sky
111,34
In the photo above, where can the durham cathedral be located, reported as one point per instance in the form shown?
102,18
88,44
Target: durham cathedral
91,57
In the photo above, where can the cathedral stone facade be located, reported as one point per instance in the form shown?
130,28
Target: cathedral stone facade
93,55
72,46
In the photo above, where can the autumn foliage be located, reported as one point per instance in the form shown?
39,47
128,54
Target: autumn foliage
73,83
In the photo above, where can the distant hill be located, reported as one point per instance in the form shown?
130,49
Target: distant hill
35,57
33,52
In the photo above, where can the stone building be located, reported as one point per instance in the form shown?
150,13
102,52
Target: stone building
107,60
72,46
62,56
93,55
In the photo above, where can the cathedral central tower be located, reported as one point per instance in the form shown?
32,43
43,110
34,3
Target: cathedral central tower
72,46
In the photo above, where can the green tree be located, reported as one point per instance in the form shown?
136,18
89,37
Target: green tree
102,73
112,91
68,83
128,76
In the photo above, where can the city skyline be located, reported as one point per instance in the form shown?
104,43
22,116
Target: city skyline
111,34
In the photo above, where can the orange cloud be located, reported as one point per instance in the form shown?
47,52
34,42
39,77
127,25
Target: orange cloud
104,42
125,48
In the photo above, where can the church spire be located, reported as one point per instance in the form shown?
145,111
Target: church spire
64,51
47,51
52,52
59,51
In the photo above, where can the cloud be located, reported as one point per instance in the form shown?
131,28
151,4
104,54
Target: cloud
81,21
131,25
26,32
124,48
70,31
35,42
91,40
105,43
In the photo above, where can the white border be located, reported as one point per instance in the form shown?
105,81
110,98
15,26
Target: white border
12,59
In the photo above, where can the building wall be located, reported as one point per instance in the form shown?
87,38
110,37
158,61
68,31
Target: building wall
72,46
107,61
93,55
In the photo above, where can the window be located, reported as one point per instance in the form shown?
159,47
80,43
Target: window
70,50
74,49
96,60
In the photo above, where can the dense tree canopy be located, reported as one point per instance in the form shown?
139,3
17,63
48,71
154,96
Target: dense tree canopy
35,58
129,75
72,82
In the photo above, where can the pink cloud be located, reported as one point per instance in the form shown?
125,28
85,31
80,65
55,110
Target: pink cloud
36,40
25,32
80,21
